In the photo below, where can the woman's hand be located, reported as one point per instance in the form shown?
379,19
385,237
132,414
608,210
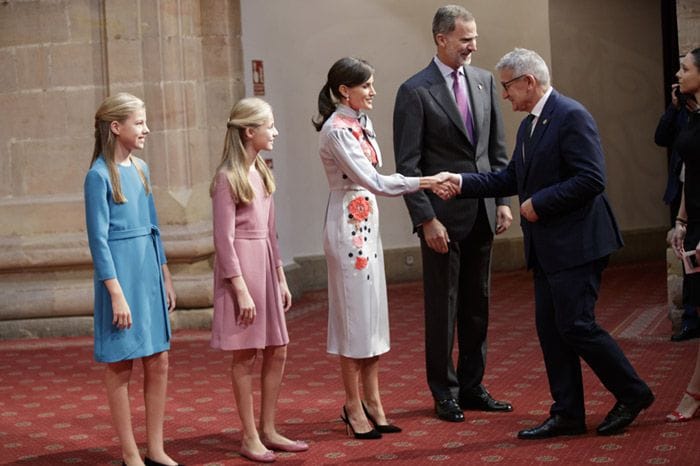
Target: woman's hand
169,289
246,308
286,296
674,97
677,239
284,289
246,305
121,313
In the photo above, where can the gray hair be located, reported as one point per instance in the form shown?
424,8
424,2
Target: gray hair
446,16
524,61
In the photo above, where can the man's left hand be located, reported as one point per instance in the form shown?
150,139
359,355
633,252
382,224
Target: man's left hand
527,210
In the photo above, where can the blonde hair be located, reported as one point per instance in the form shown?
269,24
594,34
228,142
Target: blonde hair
250,112
118,108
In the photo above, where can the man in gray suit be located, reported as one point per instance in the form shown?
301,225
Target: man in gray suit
446,117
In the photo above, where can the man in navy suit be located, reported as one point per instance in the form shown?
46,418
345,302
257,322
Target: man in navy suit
447,118
569,230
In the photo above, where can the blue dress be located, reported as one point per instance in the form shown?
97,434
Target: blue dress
125,244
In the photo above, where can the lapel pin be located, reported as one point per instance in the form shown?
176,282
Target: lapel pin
480,86
544,122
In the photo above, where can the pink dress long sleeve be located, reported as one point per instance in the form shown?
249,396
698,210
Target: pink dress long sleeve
245,243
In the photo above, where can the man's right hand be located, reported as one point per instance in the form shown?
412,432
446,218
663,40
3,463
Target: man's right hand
435,235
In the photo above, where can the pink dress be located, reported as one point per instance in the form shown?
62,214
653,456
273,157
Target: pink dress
245,242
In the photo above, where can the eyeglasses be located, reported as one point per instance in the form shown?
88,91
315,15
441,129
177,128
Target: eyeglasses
509,82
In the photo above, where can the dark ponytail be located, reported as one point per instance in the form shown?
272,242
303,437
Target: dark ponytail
347,71
326,107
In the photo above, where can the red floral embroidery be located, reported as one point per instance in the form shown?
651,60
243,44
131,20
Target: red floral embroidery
360,263
346,122
359,209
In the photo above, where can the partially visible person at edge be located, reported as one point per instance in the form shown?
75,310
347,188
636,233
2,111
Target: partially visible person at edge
133,289
251,295
569,231
672,122
686,235
358,319
447,117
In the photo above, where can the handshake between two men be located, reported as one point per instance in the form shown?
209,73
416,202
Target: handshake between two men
447,185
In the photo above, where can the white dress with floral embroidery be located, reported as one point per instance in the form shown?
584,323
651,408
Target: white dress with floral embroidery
358,320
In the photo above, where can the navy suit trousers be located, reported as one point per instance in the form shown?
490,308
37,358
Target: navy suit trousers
566,326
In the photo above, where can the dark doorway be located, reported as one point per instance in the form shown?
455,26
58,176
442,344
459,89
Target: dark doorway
669,30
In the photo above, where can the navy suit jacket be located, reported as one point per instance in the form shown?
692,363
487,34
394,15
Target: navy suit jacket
430,136
562,169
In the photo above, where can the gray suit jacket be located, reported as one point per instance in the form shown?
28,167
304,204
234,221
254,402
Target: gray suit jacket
430,137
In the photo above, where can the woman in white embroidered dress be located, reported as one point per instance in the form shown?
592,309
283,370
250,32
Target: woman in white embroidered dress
358,321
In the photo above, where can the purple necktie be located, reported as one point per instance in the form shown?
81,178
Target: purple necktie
461,99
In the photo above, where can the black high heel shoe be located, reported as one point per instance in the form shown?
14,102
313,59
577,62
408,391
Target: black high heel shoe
381,428
371,435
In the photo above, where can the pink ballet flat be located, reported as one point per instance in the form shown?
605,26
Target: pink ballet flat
677,416
267,457
294,447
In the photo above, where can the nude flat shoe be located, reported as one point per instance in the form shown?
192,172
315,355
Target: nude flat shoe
267,457
294,447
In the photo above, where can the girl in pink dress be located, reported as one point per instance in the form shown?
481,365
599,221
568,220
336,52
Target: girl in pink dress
250,289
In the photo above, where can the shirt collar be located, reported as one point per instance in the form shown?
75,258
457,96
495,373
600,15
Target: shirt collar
539,106
347,111
445,70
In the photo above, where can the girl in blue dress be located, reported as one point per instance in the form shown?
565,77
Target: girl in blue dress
133,289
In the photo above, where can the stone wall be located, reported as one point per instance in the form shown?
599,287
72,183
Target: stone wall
688,12
58,61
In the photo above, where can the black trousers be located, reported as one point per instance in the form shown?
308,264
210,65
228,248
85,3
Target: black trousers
456,293
567,330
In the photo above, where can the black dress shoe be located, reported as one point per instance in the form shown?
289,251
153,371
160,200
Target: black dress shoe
686,333
448,410
623,414
554,426
480,399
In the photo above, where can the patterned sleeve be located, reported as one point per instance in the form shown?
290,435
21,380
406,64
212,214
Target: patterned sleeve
347,152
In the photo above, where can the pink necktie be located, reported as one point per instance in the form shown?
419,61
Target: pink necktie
461,99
